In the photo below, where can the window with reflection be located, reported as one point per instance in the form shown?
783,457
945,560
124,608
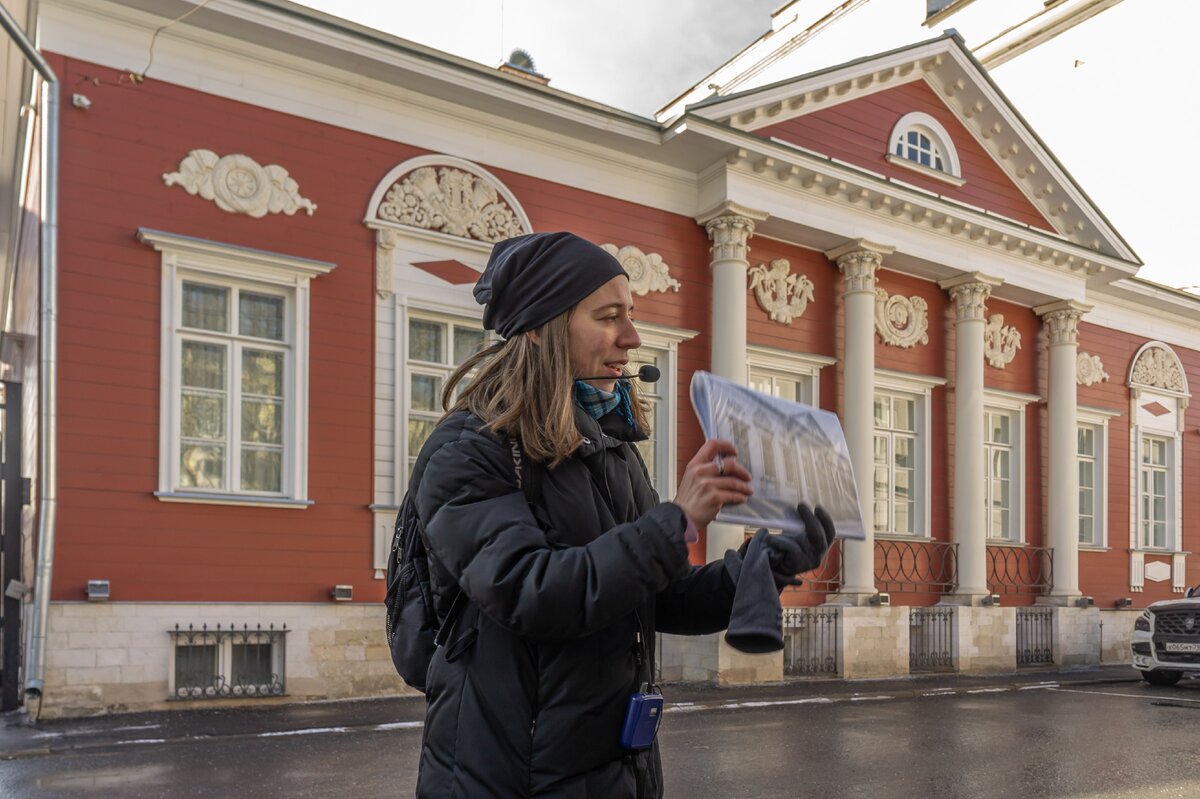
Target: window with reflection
234,356
436,347
895,464
999,442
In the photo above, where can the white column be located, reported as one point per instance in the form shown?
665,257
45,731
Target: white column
858,261
969,530
1061,320
729,228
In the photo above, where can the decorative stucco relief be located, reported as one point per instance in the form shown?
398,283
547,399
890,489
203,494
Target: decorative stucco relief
783,295
901,321
1000,342
239,184
647,272
450,201
1089,369
1159,368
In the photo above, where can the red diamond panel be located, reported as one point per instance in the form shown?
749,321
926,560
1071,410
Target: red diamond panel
454,272
1156,408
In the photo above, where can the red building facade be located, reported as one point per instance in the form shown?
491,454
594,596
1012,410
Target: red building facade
266,264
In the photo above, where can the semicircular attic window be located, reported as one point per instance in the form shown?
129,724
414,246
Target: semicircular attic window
920,142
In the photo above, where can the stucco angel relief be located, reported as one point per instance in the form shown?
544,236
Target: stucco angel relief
783,295
450,201
1001,341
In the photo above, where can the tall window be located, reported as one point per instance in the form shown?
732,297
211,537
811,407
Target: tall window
1000,457
895,483
234,401
1154,490
436,347
233,356
1089,482
653,449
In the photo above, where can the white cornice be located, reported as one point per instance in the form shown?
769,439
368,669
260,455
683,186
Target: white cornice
798,173
606,158
289,266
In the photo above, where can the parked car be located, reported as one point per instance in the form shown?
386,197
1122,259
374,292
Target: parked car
1166,639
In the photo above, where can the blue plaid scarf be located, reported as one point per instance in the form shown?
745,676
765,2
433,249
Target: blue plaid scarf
597,402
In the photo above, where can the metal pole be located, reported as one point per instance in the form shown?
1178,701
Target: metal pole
47,486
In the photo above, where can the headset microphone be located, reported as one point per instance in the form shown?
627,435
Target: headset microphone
647,374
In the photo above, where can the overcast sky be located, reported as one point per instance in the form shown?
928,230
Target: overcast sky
1124,122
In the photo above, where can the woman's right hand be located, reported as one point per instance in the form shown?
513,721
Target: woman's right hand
707,484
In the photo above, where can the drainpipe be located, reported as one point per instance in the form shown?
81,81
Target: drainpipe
47,487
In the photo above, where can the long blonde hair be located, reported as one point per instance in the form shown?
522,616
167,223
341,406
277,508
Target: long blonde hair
525,390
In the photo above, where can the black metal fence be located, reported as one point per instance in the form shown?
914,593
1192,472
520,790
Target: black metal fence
916,566
812,641
931,639
227,662
1020,570
1035,636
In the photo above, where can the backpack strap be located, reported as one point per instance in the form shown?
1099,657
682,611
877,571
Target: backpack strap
529,481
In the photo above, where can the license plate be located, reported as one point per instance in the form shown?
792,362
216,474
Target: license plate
1175,646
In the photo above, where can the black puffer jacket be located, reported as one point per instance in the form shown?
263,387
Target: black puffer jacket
528,696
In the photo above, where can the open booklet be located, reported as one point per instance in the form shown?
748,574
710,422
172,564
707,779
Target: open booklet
795,453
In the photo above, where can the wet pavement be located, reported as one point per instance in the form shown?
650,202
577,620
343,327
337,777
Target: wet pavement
1090,734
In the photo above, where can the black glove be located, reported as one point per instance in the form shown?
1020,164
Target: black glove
793,553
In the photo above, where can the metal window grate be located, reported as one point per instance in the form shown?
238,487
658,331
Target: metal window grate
812,639
1035,636
931,639
224,662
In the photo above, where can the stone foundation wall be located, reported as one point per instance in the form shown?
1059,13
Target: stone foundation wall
1115,635
874,642
985,639
1077,637
115,656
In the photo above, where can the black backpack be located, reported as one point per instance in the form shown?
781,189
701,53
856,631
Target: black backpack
413,633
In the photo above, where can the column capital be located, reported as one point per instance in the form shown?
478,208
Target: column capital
729,227
970,291
858,259
1061,320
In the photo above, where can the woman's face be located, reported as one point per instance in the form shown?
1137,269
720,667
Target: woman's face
601,333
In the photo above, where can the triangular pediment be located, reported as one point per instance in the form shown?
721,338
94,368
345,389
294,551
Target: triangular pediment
847,114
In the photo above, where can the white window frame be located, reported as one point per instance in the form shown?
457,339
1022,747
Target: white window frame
804,368
920,389
665,341
1097,418
1171,426
1171,498
214,263
942,146
1013,404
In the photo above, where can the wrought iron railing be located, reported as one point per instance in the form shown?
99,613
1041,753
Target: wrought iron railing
916,566
1035,636
827,577
225,662
812,639
1020,570
931,639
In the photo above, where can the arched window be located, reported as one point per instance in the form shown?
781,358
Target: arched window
920,140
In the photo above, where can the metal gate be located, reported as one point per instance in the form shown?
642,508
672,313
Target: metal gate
1035,636
812,641
931,639
12,497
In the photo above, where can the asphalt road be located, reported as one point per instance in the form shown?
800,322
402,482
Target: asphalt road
1117,741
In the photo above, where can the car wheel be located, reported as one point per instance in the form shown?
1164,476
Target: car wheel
1162,676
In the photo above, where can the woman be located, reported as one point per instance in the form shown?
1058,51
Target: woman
565,590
